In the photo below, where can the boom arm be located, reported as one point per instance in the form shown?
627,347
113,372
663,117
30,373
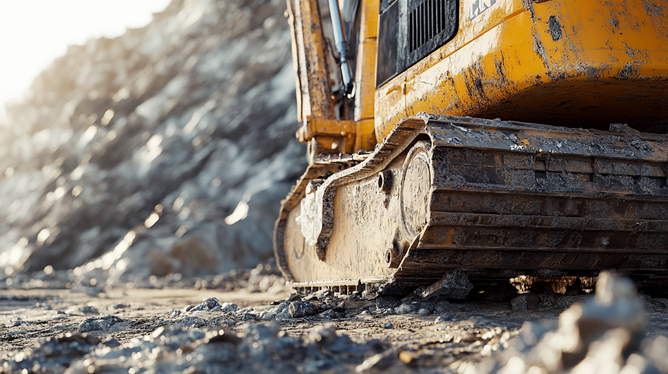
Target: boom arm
320,129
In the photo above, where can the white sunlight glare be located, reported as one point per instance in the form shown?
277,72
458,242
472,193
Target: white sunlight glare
35,32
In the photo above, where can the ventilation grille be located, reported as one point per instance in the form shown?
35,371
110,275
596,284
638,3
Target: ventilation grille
425,22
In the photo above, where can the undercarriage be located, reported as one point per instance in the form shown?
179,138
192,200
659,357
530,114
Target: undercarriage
492,199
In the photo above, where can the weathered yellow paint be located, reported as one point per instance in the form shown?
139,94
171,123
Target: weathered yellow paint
315,104
365,80
366,76
340,133
311,64
365,138
578,63
320,128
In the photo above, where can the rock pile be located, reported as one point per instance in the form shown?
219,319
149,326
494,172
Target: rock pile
166,150
260,348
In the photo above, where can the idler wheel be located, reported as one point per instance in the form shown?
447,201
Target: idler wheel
416,188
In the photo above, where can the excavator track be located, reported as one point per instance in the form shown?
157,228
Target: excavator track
493,199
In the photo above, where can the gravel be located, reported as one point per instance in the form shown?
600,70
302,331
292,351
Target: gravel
99,324
604,333
300,309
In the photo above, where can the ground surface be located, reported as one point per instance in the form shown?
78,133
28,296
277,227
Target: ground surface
440,340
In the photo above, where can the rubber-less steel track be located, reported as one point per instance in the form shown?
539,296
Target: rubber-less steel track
494,199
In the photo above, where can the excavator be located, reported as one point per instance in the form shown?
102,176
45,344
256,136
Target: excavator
485,139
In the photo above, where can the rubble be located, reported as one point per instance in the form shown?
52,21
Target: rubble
598,335
377,363
604,333
99,324
302,309
228,307
52,354
524,302
406,308
191,322
260,348
454,285
128,157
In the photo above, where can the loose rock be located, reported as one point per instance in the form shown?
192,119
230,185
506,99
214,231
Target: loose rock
454,285
524,302
99,324
192,322
331,314
300,309
406,308
248,317
229,307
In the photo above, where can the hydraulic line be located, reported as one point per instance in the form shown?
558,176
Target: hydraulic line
341,47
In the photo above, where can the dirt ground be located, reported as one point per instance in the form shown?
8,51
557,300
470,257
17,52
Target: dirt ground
454,338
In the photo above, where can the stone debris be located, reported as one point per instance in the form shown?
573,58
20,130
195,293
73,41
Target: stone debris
555,300
406,308
378,363
174,313
229,307
300,309
267,315
524,302
331,314
282,311
52,355
422,307
455,285
602,334
248,317
99,324
86,309
112,343
191,322
424,311
208,304
385,302
260,348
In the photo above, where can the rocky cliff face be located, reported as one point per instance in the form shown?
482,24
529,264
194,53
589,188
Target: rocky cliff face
165,150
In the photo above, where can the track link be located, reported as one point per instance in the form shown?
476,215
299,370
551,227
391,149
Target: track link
495,199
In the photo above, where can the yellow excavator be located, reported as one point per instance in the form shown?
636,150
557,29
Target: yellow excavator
485,138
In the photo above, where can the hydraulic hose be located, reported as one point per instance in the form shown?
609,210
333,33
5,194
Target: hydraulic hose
341,47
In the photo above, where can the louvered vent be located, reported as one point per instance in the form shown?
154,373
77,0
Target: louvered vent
406,37
425,22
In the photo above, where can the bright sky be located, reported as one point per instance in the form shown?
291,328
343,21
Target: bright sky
35,32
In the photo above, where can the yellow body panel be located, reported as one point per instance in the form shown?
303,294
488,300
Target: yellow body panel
366,76
582,63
